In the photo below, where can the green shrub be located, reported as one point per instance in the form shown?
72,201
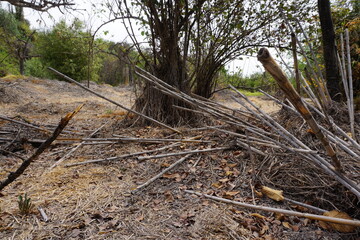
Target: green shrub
24,204
35,67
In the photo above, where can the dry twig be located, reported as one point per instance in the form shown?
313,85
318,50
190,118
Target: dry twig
147,183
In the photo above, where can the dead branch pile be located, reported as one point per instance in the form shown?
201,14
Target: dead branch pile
287,159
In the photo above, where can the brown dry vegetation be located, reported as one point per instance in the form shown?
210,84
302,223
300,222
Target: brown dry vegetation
94,201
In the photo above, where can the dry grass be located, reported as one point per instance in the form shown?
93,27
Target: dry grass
94,201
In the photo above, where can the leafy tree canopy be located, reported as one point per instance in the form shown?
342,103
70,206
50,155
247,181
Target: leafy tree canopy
66,48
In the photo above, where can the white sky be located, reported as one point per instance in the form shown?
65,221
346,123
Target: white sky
93,15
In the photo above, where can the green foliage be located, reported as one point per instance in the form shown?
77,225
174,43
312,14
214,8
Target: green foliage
35,67
24,204
15,36
8,29
8,22
114,68
250,83
66,48
250,93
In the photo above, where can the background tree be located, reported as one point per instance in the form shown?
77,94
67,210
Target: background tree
8,31
167,27
332,72
65,48
16,38
190,41
346,14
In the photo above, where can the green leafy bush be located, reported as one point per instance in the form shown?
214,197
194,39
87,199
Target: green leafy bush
35,67
66,48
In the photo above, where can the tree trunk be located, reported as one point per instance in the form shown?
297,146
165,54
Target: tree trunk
329,50
22,66
168,64
204,80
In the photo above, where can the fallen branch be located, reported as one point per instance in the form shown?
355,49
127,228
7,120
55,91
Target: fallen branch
273,68
182,153
122,156
75,148
282,211
63,122
23,123
137,189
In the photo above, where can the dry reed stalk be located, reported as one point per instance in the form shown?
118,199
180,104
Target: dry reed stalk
182,153
273,68
351,90
282,211
147,183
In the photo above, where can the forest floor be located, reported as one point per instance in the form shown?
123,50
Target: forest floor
95,201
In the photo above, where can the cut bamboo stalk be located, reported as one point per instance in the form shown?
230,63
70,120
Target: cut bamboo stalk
273,68
343,65
253,149
333,138
320,78
270,142
113,102
147,183
31,126
74,149
24,124
282,211
321,86
151,140
122,156
183,153
351,90
316,158
131,139
316,209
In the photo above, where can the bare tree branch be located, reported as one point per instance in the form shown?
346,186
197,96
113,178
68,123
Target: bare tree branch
40,5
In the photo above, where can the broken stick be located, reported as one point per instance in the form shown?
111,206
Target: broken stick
182,153
137,189
273,68
63,122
